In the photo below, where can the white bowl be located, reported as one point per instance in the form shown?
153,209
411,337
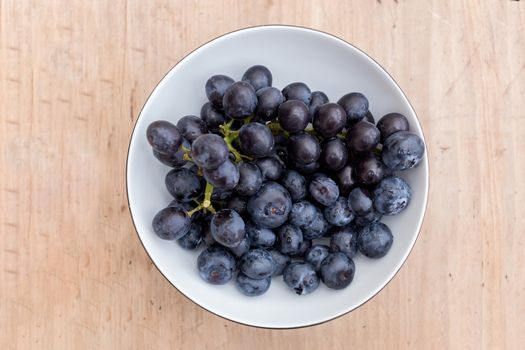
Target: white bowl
324,62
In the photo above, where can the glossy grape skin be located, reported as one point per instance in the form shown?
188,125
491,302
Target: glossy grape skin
269,99
289,239
258,77
316,254
280,261
360,201
212,117
252,287
171,223
164,137
392,196
391,123
225,177
238,204
256,140
303,148
323,189
339,213
307,169
295,183
216,265
402,150
172,160
355,105
250,179
207,237
337,271
362,137
318,98
301,278
260,237
209,151
345,180
257,264
193,238
293,116
370,170
239,100
270,206
375,240
227,227
344,240
183,184
317,229
329,120
221,195
297,91
370,118
216,86
192,127
334,154
271,167
303,214
242,248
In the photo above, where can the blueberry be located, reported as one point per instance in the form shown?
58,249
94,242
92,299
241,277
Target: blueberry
252,287
216,87
318,228
192,127
295,183
402,150
323,189
260,237
375,240
355,105
239,100
301,278
242,248
392,195
193,238
257,264
216,265
344,240
337,271
280,261
258,76
303,214
171,223
338,214
164,137
303,247
289,239
297,91
360,202
270,206
369,218
227,228
250,179
316,254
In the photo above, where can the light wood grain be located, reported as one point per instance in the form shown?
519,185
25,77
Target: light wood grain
73,76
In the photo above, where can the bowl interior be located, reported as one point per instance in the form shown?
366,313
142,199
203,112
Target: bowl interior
323,62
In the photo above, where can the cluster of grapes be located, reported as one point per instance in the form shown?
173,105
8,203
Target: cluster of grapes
247,183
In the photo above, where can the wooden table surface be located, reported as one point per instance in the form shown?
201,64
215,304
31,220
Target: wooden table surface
73,77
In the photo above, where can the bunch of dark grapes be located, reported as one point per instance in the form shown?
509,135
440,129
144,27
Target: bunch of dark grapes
273,182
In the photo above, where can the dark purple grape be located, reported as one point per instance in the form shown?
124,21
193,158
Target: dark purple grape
344,240
183,184
297,91
220,195
242,248
295,183
270,206
329,120
392,123
238,204
225,177
256,140
191,127
370,118
250,179
345,180
209,151
257,264
316,254
193,238
207,237
334,154
323,189
293,116
171,223
252,287
216,87
269,100
317,229
392,195
370,170
260,237
271,167
402,150
301,278
164,137
362,137
216,265
303,149
239,100
307,169
318,98
337,271
360,201
258,76
338,214
303,214
289,239
212,117
355,105
375,240
172,160
227,228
